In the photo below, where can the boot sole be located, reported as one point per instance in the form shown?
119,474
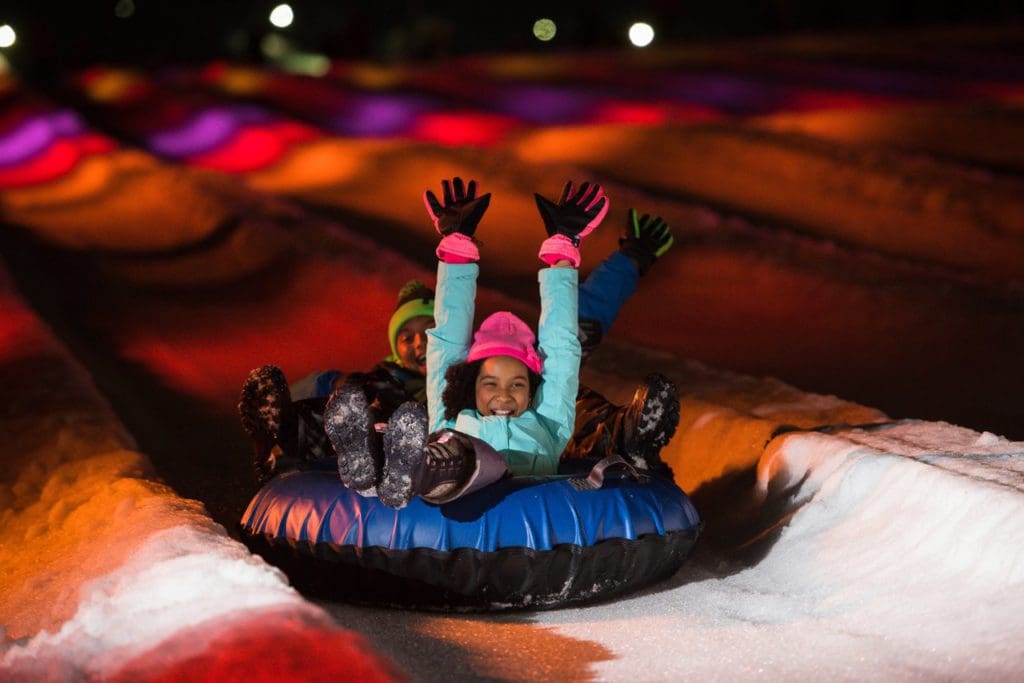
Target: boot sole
260,406
404,443
350,430
659,419
264,395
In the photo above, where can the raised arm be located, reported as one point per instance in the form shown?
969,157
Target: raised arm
575,215
448,342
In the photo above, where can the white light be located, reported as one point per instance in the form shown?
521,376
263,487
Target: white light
544,29
7,36
641,34
282,16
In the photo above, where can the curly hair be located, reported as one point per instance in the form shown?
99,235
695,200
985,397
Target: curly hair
460,392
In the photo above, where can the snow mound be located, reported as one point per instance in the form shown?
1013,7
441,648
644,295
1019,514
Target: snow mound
894,549
107,572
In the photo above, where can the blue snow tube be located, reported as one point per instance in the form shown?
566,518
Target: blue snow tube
524,542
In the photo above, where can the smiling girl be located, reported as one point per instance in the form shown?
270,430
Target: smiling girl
497,401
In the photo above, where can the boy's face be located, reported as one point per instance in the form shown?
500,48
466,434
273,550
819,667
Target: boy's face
411,343
502,387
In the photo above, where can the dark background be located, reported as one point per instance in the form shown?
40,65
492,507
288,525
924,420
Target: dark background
56,36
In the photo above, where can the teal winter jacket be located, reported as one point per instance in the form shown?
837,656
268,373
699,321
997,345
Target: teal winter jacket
532,442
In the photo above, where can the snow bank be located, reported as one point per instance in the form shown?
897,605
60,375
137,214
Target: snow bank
105,569
893,551
915,207
932,129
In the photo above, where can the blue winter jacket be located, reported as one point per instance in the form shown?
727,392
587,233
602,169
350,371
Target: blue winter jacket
606,289
532,442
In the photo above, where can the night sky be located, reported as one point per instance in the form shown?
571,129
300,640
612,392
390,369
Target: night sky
55,37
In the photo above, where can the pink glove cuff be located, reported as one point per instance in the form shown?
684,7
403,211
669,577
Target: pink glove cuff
554,249
458,248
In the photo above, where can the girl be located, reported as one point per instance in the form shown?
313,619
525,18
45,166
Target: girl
494,401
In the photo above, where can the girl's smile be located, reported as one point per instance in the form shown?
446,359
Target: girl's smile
502,387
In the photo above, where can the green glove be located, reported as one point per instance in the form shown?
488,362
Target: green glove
647,238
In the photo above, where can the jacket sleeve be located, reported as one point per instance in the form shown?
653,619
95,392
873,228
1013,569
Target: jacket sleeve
448,341
607,288
318,384
555,402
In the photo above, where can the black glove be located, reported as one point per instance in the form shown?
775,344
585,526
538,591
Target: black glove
462,209
646,239
576,214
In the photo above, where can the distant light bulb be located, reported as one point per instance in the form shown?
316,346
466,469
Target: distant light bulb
124,9
7,36
274,46
641,34
544,29
282,16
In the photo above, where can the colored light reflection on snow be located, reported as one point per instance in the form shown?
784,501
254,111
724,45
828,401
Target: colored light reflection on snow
255,148
206,131
235,80
377,115
112,85
33,136
735,94
463,128
41,146
542,104
639,113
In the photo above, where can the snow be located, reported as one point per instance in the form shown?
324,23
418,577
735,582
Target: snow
892,550
843,540
887,566
102,561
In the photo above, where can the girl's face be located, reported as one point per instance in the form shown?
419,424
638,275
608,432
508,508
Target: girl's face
411,343
502,387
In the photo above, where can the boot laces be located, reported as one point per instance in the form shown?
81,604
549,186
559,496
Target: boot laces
446,452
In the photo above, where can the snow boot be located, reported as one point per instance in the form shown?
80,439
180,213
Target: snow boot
434,471
285,435
349,424
448,462
262,407
404,442
650,421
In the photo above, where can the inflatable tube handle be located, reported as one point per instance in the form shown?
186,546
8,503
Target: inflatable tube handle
595,479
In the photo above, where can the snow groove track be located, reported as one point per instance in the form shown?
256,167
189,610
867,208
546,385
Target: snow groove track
918,208
135,579
814,243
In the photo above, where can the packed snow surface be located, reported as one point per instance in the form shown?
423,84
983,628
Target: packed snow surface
892,550
107,573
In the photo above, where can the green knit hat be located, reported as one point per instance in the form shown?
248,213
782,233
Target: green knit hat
414,299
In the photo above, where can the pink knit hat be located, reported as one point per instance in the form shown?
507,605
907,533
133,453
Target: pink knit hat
503,334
